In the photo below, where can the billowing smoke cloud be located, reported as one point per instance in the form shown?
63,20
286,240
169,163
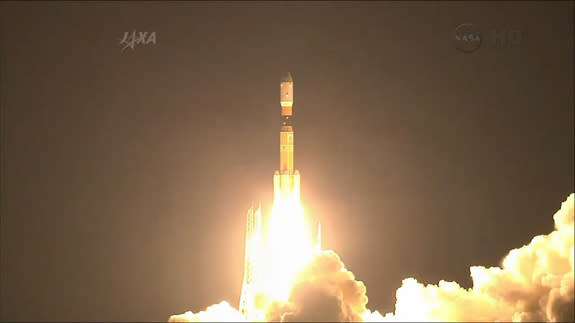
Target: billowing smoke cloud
221,312
324,291
533,283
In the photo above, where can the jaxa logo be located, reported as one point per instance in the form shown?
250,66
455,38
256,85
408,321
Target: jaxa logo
467,37
131,39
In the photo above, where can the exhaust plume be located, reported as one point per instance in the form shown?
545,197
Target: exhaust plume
221,312
533,283
323,291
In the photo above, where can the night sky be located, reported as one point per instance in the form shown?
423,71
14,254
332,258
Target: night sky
126,175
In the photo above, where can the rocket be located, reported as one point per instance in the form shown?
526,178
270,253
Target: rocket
286,189
286,179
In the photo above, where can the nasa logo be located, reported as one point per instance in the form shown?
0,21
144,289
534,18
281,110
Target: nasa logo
467,37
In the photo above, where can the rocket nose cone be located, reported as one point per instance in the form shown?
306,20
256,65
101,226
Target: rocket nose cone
286,77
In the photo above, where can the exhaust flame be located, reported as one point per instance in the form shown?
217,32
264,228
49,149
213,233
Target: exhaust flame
288,249
533,283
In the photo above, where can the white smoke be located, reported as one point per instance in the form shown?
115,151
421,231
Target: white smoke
533,283
324,291
221,312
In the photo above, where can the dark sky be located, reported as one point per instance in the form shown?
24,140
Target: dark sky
126,175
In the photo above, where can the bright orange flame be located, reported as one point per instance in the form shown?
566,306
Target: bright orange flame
288,247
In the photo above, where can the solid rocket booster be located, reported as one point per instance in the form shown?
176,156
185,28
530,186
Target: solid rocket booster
286,179
253,264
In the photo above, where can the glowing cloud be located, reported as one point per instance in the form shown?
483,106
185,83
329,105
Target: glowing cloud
534,283
221,312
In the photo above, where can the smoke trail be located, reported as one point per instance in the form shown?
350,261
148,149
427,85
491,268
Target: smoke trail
534,283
